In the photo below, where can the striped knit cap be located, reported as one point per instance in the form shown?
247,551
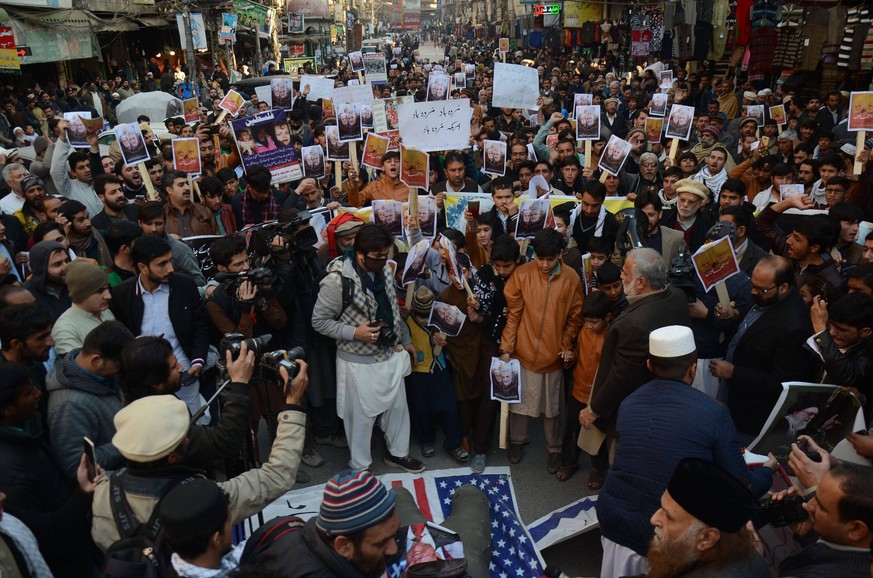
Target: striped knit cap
353,501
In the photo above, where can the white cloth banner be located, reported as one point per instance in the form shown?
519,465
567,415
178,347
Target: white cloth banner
319,86
515,86
435,125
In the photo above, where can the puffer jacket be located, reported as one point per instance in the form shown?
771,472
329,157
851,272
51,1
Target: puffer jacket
81,404
39,258
382,189
536,335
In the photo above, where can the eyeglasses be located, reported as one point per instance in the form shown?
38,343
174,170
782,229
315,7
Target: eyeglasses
763,291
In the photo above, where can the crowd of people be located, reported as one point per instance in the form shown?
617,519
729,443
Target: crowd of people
165,355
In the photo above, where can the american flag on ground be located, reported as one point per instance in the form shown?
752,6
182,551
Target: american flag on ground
513,552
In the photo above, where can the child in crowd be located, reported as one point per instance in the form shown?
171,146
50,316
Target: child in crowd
596,314
609,281
600,249
429,389
571,255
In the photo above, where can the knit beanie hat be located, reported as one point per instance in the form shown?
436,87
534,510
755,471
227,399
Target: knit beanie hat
354,501
84,279
422,301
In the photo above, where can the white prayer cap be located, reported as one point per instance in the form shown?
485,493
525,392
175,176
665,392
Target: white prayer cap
671,341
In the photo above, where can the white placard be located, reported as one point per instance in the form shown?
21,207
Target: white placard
265,94
515,86
435,126
319,86
353,94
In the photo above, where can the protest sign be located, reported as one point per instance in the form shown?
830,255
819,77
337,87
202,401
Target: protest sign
374,69
414,167
588,122
654,126
505,380
532,217
374,148
434,126
389,214
614,155
680,122
336,149
231,102
756,111
190,110
186,155
715,263
354,94
356,61
515,86
777,113
788,191
447,318
349,122
313,161
131,143
76,134
415,262
272,144
503,45
494,157
200,244
319,86
385,112
265,95
581,99
281,93
659,104
860,120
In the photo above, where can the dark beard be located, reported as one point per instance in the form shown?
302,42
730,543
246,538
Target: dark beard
669,558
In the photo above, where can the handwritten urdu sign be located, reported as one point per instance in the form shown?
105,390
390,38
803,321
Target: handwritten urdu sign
515,86
436,125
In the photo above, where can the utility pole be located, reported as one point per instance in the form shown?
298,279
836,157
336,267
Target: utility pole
189,50
259,66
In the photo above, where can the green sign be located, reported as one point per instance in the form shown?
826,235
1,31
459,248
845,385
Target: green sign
251,15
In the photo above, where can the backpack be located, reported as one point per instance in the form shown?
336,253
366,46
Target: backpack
268,533
141,552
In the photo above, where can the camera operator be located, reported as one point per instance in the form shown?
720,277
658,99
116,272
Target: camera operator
238,306
152,434
299,271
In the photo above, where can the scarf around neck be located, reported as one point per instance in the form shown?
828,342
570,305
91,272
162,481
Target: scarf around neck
712,182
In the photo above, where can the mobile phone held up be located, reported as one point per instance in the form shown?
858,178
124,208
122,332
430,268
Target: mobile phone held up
91,457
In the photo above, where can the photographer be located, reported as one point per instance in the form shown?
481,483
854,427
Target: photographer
238,306
373,348
153,436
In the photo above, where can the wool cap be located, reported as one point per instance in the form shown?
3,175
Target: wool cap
749,119
750,95
354,501
151,427
31,181
198,503
711,129
84,279
693,187
422,301
712,495
671,341
348,227
611,99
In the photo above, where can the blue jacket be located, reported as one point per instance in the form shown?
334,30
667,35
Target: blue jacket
661,423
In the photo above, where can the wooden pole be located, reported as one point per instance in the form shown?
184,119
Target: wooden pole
504,426
353,152
603,175
221,117
413,203
588,154
723,297
674,148
410,293
439,348
361,78
150,188
859,147
338,174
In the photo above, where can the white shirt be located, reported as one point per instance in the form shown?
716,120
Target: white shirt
156,319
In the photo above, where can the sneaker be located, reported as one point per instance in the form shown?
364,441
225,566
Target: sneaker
478,463
335,440
427,450
408,463
460,454
515,452
312,459
302,477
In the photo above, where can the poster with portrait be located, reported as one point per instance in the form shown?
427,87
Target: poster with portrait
680,121
447,251
614,155
438,87
581,99
589,280
503,45
186,155
587,122
385,116
826,413
860,111
375,148
460,80
777,113
267,138
715,263
366,115
446,318
666,78
532,217
505,380
389,214
336,149
313,161
415,262
94,126
788,191
281,93
756,111
327,108
190,110
348,120
374,69
654,127
414,168
131,143
494,157
77,136
356,61
427,216
659,104
470,71
231,102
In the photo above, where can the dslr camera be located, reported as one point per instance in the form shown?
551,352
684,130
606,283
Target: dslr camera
387,337
261,277
779,514
271,361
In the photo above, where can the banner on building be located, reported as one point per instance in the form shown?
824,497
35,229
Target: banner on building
228,28
578,13
8,54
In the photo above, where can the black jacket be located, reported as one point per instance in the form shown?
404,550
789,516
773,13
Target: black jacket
769,353
853,368
187,312
610,230
38,496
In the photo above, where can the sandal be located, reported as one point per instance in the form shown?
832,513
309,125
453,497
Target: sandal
595,480
564,473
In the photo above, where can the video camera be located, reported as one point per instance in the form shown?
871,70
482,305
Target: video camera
778,514
681,274
295,237
630,234
261,277
271,361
